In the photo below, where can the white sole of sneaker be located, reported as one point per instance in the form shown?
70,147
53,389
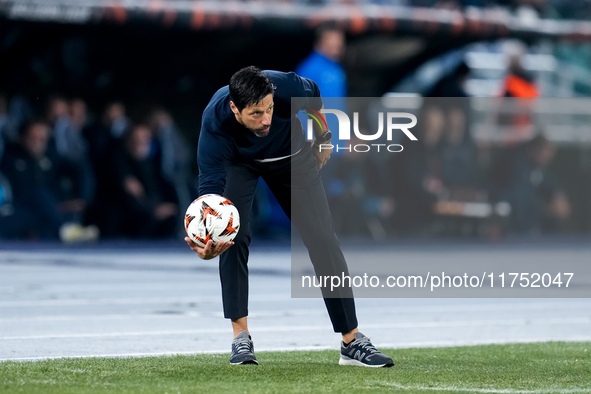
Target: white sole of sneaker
254,362
344,360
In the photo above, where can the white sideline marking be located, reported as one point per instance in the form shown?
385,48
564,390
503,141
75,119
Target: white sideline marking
193,299
479,307
152,316
436,324
162,354
294,312
457,343
302,348
127,355
103,301
481,390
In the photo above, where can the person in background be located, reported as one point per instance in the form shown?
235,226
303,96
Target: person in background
101,136
74,145
539,203
57,114
171,149
104,138
519,90
323,65
459,152
35,175
518,82
144,203
417,173
5,125
5,135
71,145
20,111
115,119
358,196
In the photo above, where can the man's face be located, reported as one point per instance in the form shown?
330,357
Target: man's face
139,142
256,117
332,45
35,139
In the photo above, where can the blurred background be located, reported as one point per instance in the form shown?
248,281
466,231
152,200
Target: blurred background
101,102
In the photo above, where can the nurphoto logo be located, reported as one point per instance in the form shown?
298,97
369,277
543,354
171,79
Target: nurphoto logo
391,119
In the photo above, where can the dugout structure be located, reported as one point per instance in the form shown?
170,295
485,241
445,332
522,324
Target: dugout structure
182,38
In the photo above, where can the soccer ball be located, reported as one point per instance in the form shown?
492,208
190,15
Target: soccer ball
214,217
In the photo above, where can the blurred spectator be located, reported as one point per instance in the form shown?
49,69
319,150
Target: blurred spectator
57,113
41,206
140,202
5,135
110,128
358,195
69,120
323,67
115,119
171,150
520,90
4,122
459,152
462,178
7,125
6,206
417,173
518,82
19,110
538,202
103,138
69,138
323,64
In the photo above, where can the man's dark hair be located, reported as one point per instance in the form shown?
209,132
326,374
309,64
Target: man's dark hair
249,86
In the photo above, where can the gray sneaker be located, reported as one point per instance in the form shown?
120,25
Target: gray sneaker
243,350
362,353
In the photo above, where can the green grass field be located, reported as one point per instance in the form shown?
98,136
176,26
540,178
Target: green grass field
554,367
